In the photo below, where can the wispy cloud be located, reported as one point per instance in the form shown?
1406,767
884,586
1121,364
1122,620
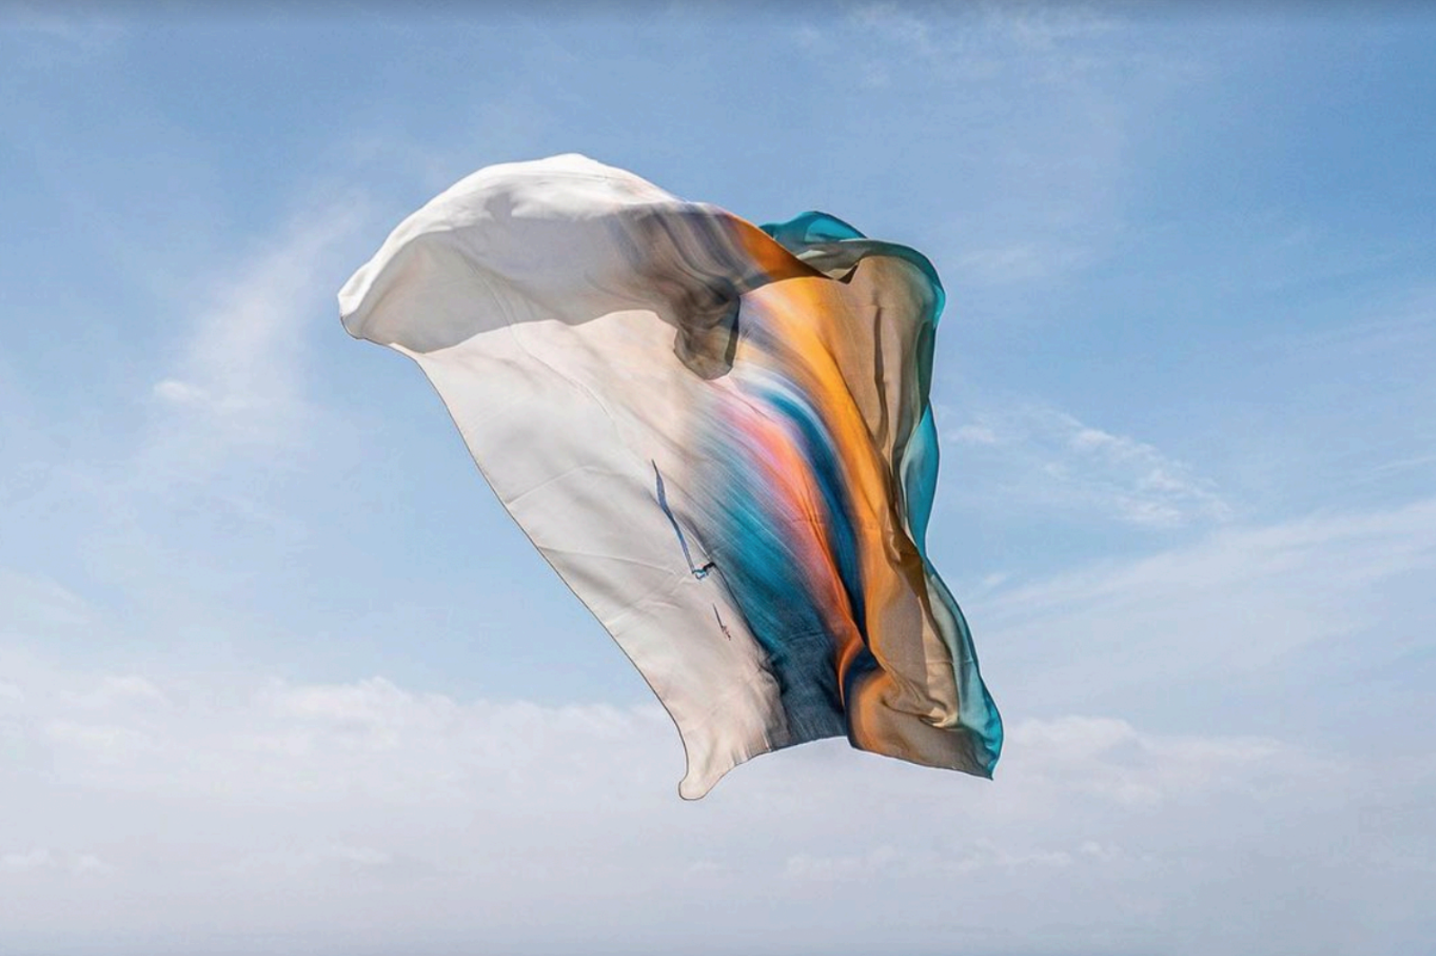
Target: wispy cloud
1031,455
1247,613
239,381
1025,261
73,34
974,39
34,602
1041,110
158,501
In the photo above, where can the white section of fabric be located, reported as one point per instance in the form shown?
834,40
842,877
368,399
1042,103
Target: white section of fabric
509,292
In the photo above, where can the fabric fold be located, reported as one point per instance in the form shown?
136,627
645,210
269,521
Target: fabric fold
671,401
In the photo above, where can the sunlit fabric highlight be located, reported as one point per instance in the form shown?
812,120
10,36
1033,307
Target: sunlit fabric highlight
717,434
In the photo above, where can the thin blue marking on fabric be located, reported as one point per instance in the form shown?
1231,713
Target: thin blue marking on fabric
698,572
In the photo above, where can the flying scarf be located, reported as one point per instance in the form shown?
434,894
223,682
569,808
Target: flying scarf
717,434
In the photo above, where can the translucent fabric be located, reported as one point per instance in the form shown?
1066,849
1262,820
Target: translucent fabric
717,434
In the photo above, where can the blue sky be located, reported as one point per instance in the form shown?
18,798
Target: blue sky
278,674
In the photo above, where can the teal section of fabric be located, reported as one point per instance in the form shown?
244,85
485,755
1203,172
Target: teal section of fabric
752,543
835,247
809,228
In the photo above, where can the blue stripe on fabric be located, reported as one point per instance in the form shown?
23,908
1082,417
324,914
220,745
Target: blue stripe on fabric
767,585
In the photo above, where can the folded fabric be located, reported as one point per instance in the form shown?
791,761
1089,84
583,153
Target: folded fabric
717,434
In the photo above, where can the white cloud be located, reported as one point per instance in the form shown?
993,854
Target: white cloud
43,860
1032,455
112,690
22,862
103,743
88,863
369,813
313,862
181,393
